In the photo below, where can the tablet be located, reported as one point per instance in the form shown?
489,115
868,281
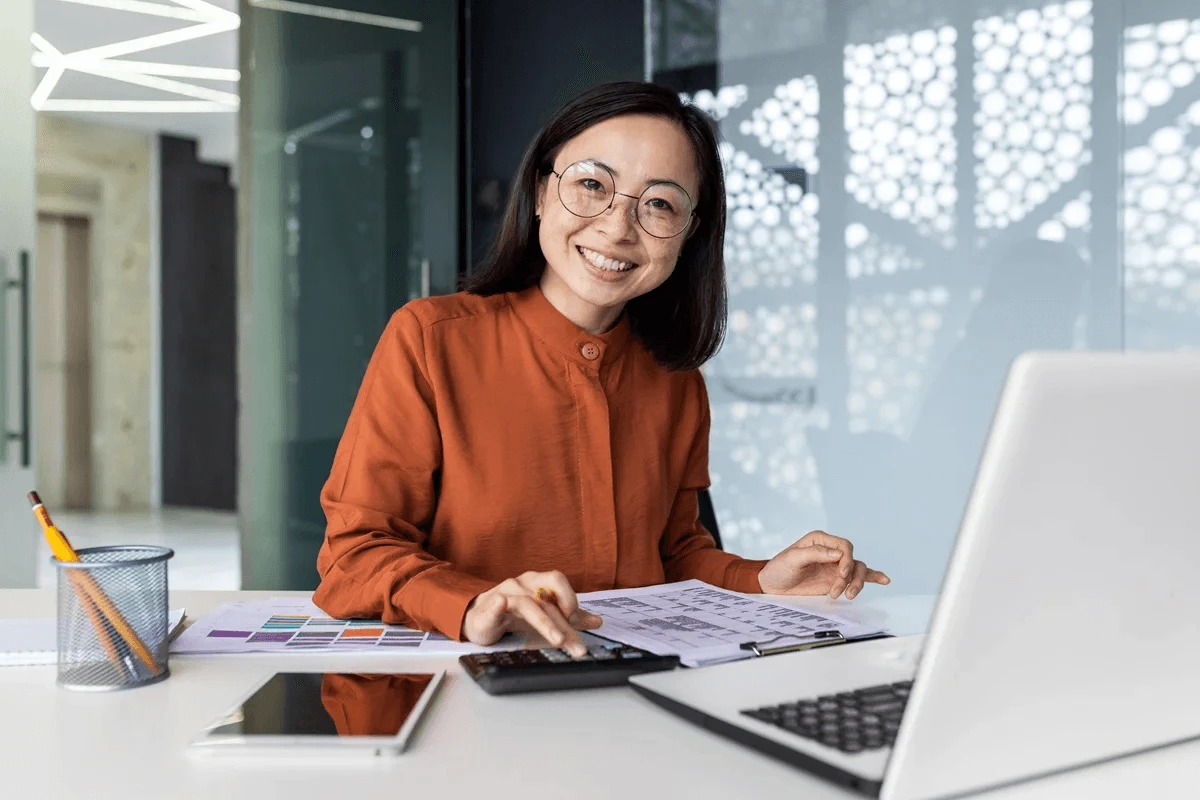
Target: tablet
337,713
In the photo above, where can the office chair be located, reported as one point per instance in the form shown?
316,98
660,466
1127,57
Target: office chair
708,516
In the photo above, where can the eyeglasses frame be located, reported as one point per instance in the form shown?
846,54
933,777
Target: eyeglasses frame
613,199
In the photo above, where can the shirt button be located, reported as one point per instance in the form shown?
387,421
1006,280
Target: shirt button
590,351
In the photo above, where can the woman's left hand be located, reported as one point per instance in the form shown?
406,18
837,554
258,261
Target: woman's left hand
818,564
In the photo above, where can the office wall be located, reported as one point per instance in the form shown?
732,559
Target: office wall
199,330
526,59
103,173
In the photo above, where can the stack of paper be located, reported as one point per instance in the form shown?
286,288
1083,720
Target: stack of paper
295,625
703,624
28,642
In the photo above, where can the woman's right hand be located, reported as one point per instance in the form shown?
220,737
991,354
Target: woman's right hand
512,606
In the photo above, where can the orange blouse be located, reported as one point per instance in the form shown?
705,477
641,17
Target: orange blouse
491,436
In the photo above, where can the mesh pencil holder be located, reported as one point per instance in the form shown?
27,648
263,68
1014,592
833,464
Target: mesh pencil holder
112,617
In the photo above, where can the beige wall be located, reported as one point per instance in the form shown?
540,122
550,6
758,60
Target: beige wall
104,174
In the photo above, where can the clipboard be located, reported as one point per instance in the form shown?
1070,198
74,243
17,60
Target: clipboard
804,641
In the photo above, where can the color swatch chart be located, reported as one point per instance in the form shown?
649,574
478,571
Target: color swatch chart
287,624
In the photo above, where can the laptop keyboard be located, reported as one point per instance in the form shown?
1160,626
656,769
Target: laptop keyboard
866,719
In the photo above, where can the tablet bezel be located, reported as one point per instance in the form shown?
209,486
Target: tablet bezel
206,742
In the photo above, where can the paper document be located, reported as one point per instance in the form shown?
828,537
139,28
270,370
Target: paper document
29,642
295,625
703,624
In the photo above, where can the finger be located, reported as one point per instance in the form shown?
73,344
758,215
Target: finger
585,620
875,576
538,616
550,587
799,557
534,614
567,602
845,546
856,582
571,641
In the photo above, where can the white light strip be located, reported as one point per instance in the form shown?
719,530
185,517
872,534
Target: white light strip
149,42
149,9
318,125
214,12
137,106
42,93
341,15
43,46
163,84
149,68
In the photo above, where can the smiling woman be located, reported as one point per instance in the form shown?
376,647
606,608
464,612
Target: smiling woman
623,185
545,431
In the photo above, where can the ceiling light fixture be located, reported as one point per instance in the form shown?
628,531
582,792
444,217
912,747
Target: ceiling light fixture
149,9
136,106
101,61
227,99
154,40
155,68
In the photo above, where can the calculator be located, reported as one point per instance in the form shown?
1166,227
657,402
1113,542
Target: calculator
607,664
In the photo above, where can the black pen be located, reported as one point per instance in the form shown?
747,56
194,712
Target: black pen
815,639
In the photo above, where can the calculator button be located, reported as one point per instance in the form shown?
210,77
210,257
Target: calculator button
600,653
631,654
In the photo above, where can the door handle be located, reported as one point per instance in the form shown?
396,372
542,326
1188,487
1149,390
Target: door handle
21,285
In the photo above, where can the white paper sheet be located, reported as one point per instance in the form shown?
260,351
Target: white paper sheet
32,642
703,624
295,625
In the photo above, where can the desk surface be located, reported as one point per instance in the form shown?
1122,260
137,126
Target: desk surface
592,743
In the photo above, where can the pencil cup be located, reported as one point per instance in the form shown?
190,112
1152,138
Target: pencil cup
112,617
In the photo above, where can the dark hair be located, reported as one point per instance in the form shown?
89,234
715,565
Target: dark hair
681,322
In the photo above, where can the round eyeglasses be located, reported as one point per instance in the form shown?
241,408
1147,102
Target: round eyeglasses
587,189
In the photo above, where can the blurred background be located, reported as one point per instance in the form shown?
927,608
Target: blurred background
210,208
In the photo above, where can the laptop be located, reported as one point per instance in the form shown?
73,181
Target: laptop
1064,633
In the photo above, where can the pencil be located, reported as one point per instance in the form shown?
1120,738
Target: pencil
63,551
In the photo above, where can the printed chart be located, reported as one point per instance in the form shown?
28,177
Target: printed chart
704,624
296,625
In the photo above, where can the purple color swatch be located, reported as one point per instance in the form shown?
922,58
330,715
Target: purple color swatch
228,634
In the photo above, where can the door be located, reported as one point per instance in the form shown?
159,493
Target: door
199,341
18,530
62,374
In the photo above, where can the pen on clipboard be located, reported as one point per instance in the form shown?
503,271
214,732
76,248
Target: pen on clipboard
807,641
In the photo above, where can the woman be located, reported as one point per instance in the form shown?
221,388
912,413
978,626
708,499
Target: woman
547,428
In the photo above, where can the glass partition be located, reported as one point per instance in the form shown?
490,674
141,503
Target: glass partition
349,209
920,190
19,532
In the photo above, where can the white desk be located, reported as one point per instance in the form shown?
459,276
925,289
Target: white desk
598,743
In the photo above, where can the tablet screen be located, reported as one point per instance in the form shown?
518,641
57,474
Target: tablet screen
326,704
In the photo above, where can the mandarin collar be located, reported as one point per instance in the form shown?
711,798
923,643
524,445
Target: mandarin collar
548,324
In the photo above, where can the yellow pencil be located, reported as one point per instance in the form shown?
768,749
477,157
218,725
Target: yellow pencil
61,547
